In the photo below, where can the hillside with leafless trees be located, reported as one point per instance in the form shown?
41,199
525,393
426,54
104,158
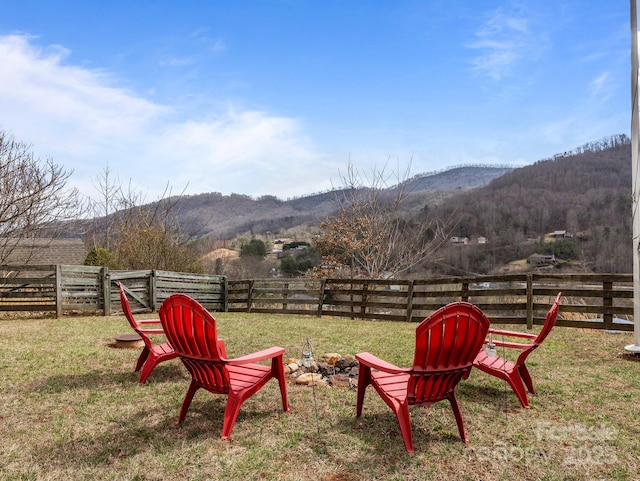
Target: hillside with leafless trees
585,192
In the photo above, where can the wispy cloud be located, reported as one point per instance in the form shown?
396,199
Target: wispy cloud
218,46
84,120
212,45
600,88
197,47
178,61
503,41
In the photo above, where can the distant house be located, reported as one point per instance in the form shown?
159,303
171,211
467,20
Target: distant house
45,251
559,234
482,240
540,260
459,240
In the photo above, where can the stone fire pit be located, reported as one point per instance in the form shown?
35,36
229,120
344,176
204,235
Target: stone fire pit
331,369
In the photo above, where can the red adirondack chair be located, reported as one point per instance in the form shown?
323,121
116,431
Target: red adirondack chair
151,354
516,373
446,343
191,329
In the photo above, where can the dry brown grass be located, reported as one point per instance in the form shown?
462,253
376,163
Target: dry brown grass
70,408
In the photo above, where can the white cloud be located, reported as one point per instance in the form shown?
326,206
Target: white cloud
503,41
84,120
45,101
600,88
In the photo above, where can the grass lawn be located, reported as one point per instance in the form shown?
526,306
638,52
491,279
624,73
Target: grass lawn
71,409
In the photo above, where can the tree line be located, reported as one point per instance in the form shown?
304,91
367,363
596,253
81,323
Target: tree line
369,233
586,193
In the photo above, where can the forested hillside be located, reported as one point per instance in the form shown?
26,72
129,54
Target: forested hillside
502,216
505,214
586,193
457,178
227,216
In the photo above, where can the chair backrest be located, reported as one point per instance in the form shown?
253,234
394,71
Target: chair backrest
126,309
447,342
550,321
191,331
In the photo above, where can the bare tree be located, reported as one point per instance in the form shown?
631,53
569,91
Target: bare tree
34,197
372,235
140,235
110,195
149,236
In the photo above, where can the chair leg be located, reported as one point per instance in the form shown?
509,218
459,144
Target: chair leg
234,401
277,367
402,413
193,387
515,381
456,412
364,379
148,368
526,377
142,358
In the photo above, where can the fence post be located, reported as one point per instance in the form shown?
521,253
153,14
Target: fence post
321,297
529,301
250,296
607,302
58,291
105,279
285,295
352,308
225,295
153,293
410,301
364,298
464,295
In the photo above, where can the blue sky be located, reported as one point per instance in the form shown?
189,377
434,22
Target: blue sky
277,97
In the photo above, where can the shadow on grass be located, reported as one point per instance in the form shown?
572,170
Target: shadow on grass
382,429
498,396
372,445
484,393
377,437
146,431
369,444
105,380
124,437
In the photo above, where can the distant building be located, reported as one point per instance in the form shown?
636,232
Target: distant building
482,240
459,240
559,234
540,260
45,251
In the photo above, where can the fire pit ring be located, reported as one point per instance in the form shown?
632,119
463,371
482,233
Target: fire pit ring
129,341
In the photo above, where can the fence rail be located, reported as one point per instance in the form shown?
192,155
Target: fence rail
66,289
589,300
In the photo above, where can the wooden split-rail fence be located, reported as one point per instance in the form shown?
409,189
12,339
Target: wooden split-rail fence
597,301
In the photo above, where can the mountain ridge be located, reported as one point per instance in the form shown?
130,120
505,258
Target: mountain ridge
226,216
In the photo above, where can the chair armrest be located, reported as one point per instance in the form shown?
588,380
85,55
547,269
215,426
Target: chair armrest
222,348
148,321
525,335
151,331
258,356
514,345
370,360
